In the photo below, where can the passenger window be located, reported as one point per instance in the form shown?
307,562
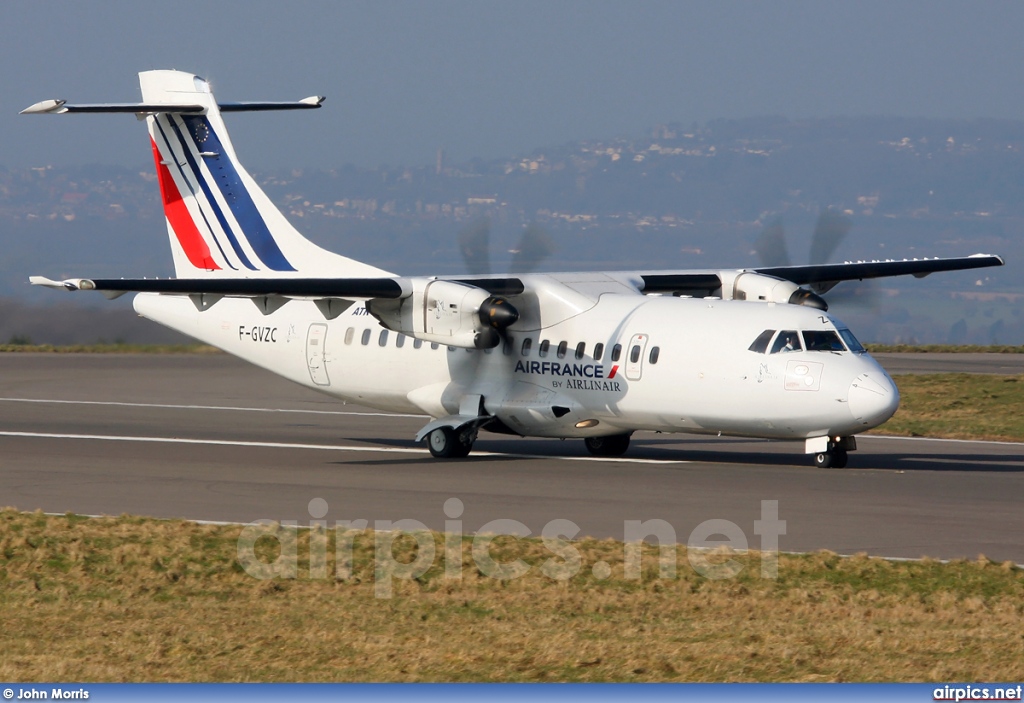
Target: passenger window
350,334
400,341
760,345
508,345
527,345
787,341
655,353
616,352
634,354
823,340
851,341
417,343
598,351
365,338
542,350
581,350
562,347
383,339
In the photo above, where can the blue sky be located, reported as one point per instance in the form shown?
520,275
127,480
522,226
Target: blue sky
493,79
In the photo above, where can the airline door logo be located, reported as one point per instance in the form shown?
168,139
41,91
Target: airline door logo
577,377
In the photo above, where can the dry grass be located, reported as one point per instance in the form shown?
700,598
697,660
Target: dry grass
130,599
959,406
111,348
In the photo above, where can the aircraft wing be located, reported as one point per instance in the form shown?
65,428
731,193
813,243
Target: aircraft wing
822,277
385,288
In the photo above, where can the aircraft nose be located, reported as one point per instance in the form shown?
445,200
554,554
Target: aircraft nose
873,398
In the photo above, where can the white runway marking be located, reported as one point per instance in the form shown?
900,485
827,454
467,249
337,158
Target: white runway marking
165,406
938,439
321,447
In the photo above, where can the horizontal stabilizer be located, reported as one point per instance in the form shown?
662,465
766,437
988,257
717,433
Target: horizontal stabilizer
60,107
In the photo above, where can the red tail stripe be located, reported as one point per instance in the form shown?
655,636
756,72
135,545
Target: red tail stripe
192,242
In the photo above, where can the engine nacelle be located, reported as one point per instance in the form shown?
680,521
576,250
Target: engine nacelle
447,312
758,286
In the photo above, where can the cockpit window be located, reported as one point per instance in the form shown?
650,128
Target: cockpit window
823,340
851,341
760,345
787,341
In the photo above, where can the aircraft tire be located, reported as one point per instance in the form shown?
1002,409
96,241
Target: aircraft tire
446,443
823,460
613,445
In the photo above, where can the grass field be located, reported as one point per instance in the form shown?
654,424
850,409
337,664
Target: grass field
110,348
959,406
129,599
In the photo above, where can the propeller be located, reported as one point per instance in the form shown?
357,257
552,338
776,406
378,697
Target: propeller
830,230
497,315
535,245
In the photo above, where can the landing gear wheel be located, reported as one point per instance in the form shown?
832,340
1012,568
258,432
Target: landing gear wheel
614,445
834,459
447,443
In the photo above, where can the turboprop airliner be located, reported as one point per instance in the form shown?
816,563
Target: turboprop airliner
748,352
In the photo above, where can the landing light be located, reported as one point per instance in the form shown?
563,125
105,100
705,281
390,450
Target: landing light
586,424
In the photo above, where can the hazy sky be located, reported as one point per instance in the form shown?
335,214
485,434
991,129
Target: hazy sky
494,78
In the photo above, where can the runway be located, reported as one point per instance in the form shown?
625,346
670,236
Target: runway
212,438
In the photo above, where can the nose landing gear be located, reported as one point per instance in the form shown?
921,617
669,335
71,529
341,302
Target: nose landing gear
834,459
831,452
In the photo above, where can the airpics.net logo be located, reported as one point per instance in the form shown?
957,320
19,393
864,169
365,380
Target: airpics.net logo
269,549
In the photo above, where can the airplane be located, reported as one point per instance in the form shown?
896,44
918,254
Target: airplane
747,352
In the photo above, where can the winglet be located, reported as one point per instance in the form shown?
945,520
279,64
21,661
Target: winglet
44,106
50,283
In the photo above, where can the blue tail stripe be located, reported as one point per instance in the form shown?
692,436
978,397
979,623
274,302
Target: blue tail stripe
216,240
235,194
218,213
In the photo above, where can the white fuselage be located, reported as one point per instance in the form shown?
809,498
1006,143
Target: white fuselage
682,365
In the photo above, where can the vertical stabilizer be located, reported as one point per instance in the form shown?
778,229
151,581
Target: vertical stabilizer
220,221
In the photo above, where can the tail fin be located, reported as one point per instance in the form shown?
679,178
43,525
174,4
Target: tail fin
220,222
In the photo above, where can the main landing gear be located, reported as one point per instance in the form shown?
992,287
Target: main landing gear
448,443
612,445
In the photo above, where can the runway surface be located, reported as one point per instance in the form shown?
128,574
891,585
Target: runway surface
952,363
210,437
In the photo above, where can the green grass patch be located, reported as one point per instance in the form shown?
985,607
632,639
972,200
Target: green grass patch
959,406
129,599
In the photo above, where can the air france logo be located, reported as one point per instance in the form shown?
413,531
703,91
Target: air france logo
581,377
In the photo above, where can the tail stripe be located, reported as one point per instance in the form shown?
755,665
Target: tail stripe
192,242
208,200
185,182
251,223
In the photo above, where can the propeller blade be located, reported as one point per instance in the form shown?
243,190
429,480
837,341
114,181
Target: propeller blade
831,230
475,247
771,245
534,246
